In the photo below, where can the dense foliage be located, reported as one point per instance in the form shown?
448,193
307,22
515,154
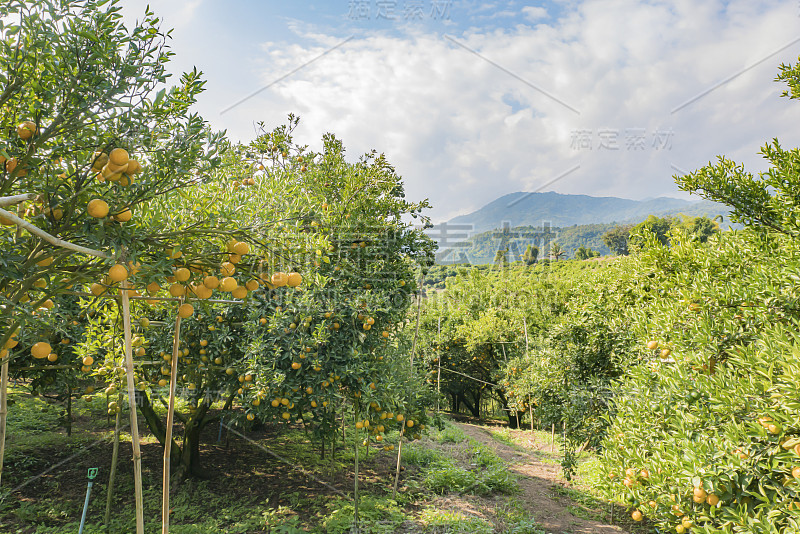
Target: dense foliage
310,259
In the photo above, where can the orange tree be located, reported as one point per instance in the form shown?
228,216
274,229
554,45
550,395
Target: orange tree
481,324
706,424
323,293
104,180
330,347
88,146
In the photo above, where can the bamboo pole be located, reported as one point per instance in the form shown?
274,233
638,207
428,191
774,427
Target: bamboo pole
530,405
137,453
173,379
525,326
416,329
355,483
114,457
397,472
3,410
439,361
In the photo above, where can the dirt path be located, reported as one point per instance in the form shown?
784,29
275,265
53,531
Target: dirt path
539,482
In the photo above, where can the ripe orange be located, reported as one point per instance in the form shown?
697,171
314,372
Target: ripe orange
88,360
251,285
118,156
286,415
182,274
134,167
228,284
241,248
665,353
97,289
185,311
294,279
118,273
239,293
97,208
279,279
712,500
177,290
41,350
201,291
250,417
211,282
296,365
637,515
26,130
227,269
699,495
652,345
153,287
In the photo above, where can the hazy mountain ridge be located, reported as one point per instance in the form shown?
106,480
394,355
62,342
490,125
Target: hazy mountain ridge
532,209
574,221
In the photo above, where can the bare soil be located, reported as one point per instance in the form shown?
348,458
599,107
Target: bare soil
540,482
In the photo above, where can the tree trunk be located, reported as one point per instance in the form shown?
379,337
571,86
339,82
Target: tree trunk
454,402
69,410
511,415
190,459
474,409
156,426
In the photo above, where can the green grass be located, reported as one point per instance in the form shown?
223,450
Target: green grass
502,435
485,474
377,514
450,434
440,521
446,461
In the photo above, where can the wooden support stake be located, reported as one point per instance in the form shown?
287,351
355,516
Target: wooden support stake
355,490
3,410
173,379
531,408
397,472
416,329
114,457
439,361
137,453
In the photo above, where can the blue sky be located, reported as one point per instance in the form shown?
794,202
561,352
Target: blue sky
473,100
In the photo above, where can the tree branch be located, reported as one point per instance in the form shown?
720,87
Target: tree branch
49,238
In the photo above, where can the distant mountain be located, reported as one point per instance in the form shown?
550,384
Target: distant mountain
534,209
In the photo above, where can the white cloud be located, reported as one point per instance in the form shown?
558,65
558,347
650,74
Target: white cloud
534,13
462,131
